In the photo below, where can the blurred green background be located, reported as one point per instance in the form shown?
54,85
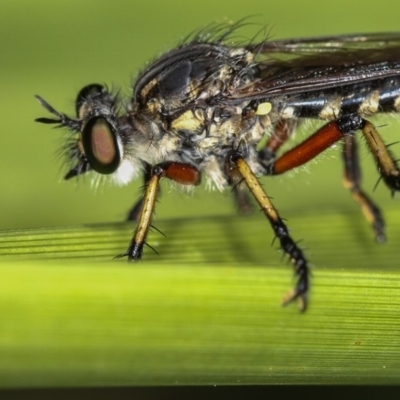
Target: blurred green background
63,325
55,48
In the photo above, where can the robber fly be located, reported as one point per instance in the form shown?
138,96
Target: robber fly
203,107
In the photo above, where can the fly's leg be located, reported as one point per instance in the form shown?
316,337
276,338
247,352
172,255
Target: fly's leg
282,132
351,181
345,128
237,162
342,128
242,199
182,173
387,166
241,195
326,136
329,134
321,140
134,212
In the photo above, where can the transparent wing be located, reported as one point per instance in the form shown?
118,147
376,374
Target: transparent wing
296,66
329,44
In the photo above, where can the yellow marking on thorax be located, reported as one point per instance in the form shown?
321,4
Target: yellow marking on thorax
264,108
186,121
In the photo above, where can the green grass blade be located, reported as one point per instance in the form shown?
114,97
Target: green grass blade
206,311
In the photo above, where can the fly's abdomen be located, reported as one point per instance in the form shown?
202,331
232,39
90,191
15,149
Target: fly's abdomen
365,99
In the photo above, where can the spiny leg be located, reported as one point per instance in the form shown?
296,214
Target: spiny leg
182,173
282,132
135,249
326,136
384,160
321,140
287,243
345,128
314,145
351,181
134,212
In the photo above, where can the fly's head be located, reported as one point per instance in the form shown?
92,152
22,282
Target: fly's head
100,139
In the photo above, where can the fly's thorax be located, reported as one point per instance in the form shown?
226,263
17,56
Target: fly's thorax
177,103
182,84
211,130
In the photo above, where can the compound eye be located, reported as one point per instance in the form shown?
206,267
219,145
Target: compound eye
101,145
88,92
